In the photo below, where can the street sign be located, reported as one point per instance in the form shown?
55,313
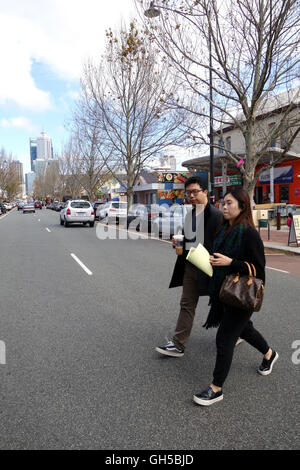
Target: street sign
294,233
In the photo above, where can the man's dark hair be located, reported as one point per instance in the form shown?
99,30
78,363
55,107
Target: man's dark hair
195,180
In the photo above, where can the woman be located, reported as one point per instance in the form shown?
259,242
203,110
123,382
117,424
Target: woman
237,241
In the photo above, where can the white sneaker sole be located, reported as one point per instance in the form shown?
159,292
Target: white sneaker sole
268,372
207,402
168,353
239,341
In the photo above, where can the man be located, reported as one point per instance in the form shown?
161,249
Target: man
193,280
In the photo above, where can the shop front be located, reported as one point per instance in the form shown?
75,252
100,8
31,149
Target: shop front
286,184
233,180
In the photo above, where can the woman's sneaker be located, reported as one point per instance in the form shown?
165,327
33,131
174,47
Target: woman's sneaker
170,350
267,365
208,397
239,341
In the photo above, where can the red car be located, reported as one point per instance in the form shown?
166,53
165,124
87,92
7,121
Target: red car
38,205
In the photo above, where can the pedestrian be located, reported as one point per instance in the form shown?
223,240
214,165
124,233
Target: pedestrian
236,242
194,281
289,219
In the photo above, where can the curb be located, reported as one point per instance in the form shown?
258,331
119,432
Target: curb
288,250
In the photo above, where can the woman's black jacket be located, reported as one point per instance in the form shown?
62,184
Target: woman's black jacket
252,251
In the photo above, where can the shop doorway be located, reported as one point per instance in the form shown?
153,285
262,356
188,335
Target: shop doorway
258,195
284,193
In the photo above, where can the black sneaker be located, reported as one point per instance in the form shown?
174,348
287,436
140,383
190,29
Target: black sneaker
267,365
170,350
208,397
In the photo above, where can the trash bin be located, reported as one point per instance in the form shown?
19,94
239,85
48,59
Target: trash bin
263,223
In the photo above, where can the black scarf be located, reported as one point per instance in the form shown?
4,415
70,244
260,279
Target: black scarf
228,244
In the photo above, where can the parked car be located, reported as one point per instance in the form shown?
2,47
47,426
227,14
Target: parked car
145,213
29,207
38,204
60,206
96,205
2,208
171,221
113,211
8,206
77,211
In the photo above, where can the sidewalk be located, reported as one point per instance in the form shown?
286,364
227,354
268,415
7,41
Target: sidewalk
278,240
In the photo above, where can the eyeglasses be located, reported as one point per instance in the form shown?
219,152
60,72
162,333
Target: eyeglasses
193,191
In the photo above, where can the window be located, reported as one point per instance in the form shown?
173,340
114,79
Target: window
221,146
80,204
228,143
285,135
119,205
271,137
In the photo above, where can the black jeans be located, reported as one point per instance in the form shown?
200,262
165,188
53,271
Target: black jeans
234,324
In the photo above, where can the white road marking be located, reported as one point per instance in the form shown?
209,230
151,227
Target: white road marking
39,220
81,264
48,230
280,270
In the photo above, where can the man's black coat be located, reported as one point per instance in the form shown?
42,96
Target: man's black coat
212,221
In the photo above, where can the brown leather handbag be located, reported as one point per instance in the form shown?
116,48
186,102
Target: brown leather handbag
244,292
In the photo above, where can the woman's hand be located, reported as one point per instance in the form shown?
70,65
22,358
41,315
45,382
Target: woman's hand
220,260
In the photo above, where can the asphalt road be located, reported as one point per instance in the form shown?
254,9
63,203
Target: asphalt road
81,371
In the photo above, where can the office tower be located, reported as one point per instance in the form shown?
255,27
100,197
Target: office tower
18,166
29,179
40,149
32,153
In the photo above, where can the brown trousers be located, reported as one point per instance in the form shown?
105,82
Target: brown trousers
188,304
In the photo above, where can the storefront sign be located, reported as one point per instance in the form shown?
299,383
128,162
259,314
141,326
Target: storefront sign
231,180
172,177
282,174
177,193
294,234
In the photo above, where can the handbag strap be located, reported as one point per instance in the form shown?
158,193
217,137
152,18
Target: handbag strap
249,268
254,270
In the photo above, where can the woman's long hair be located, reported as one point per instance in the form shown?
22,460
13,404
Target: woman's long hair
245,217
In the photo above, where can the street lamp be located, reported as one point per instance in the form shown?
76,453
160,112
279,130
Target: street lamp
152,12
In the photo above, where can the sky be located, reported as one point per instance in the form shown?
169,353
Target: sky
43,47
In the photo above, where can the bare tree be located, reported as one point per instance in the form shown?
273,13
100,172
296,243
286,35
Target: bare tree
126,94
92,171
251,48
69,169
9,179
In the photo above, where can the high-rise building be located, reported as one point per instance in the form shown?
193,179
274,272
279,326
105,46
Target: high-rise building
40,148
29,179
18,166
32,143
44,147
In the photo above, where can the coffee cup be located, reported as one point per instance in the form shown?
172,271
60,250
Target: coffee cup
178,244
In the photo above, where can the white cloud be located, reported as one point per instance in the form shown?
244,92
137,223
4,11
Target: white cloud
59,33
18,123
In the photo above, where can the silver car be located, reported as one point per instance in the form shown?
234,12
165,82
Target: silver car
28,208
77,212
113,211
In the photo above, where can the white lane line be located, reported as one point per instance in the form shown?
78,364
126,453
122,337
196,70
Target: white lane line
280,270
81,264
48,230
39,220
